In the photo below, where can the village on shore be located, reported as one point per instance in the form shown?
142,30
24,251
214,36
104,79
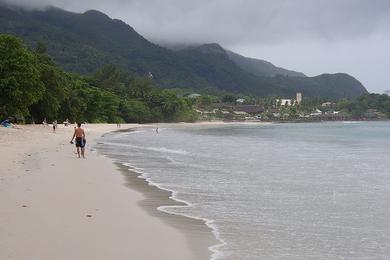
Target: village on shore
283,110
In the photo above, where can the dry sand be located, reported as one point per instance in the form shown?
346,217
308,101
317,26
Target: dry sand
55,206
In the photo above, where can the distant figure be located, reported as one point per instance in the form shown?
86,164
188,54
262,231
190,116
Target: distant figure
66,122
54,126
44,122
79,134
156,130
118,125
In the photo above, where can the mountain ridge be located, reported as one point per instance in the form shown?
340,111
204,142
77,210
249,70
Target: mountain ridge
261,67
84,42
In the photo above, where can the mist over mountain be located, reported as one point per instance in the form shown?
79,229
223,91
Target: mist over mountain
255,66
261,67
83,42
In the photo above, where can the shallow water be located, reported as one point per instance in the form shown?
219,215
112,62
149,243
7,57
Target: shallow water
278,191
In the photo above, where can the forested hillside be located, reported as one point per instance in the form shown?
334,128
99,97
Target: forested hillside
34,87
261,67
85,42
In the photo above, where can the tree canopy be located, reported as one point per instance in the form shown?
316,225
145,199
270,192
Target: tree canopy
20,82
33,86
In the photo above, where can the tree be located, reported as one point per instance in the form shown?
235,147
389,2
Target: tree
134,111
140,88
32,84
344,104
111,78
41,48
57,89
75,106
20,84
229,98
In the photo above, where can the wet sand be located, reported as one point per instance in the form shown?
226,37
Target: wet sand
199,236
56,206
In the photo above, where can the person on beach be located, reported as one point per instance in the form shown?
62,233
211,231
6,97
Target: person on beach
54,126
79,134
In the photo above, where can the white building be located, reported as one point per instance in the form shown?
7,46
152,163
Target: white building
316,113
299,98
283,102
328,104
289,102
195,95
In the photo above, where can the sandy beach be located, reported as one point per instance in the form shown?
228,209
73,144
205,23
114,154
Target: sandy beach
56,206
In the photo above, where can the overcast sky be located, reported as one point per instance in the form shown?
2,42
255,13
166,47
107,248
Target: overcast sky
311,36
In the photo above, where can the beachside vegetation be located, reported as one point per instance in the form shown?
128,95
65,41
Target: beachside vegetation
34,87
20,81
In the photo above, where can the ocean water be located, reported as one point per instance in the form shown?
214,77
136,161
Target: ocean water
276,191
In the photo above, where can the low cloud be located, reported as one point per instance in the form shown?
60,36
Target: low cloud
327,25
232,21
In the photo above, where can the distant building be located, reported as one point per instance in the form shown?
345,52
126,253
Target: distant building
331,112
276,114
387,92
299,98
284,102
372,113
195,95
248,109
240,113
328,104
316,113
240,100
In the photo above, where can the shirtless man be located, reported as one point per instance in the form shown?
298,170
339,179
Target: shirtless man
80,140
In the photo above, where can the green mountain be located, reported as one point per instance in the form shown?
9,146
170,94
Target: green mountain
261,67
85,42
275,80
339,85
211,61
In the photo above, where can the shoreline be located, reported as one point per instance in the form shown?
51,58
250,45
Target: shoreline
202,237
199,235
55,206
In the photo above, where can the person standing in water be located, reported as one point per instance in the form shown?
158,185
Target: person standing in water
79,134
